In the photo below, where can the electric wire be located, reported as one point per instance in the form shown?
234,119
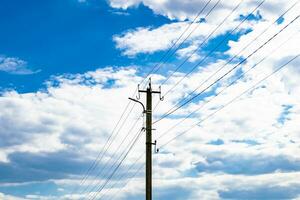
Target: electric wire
95,162
122,157
174,109
226,87
106,163
180,45
96,187
202,43
160,63
134,175
267,28
230,102
124,174
214,49
244,48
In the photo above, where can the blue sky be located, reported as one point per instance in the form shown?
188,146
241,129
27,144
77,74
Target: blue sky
65,37
67,68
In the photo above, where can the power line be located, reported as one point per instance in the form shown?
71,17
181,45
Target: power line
231,101
215,48
95,162
117,167
124,174
203,42
197,49
92,192
225,88
207,14
244,48
137,171
111,157
172,110
158,66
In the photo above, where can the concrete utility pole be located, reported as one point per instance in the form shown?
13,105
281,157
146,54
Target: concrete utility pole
149,142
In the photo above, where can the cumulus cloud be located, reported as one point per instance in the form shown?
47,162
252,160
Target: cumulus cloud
14,65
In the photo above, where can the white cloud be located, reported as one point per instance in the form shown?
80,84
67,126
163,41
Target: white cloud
124,4
145,40
14,65
153,39
35,115
189,9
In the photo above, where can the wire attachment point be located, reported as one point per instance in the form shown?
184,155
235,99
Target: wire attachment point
156,150
160,96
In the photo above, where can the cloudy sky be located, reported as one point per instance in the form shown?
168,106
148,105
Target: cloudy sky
228,127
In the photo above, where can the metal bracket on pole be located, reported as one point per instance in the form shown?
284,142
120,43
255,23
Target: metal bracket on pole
138,97
156,150
144,110
150,84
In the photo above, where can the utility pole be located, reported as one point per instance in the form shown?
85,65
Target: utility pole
149,142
